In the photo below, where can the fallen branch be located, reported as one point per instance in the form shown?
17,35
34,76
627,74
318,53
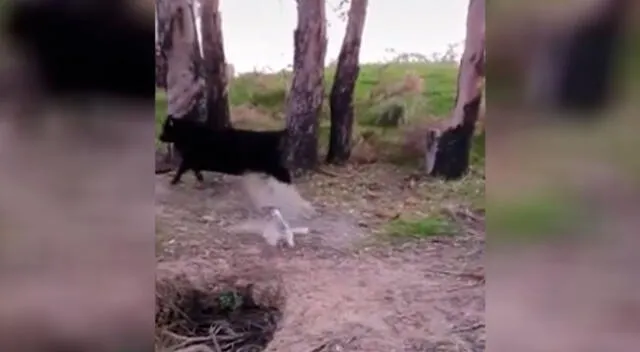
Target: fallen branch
185,341
327,172
470,328
468,275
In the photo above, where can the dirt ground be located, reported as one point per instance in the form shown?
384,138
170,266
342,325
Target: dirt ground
346,289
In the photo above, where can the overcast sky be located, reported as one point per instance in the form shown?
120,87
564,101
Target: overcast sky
259,34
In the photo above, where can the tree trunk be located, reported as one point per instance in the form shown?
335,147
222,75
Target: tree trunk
163,40
341,99
448,146
198,64
178,42
161,69
215,66
177,34
304,101
161,59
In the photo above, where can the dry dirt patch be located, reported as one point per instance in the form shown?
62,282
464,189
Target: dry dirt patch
341,292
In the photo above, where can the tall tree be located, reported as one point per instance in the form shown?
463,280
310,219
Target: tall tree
215,65
161,69
161,60
341,99
177,41
198,61
449,145
304,101
163,40
177,34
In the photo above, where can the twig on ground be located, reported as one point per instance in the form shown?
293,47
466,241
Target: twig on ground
462,213
327,172
320,348
469,275
186,340
463,287
334,344
225,336
470,328
472,231
214,340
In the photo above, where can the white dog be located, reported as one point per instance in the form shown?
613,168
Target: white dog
283,201
282,230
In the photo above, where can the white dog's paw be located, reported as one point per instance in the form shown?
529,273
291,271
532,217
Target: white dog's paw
289,238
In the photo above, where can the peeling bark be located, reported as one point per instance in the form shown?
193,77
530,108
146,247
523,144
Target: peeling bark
161,69
161,59
448,146
341,98
215,66
163,38
178,41
199,66
304,100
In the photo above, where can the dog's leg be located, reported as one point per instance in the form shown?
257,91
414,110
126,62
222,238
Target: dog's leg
282,174
200,179
284,226
181,170
198,174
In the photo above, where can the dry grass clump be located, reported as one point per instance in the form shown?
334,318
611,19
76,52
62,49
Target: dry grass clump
204,306
413,84
414,139
409,84
364,148
246,116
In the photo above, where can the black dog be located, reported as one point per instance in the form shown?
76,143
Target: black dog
228,151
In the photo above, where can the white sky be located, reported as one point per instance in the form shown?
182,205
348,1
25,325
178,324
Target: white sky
258,34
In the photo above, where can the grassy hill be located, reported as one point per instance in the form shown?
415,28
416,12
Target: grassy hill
425,91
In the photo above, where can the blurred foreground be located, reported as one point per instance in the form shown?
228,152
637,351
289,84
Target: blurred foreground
563,190
77,257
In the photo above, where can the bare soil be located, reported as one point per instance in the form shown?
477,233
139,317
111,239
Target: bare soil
346,288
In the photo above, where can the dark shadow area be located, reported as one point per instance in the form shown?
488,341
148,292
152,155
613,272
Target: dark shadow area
223,318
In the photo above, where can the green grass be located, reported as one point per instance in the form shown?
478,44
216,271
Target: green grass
267,91
420,228
439,83
161,111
